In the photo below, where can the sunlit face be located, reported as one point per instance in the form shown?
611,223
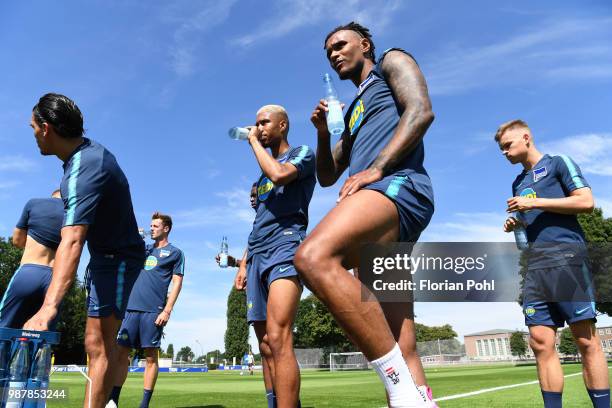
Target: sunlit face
513,144
271,125
158,230
40,136
345,52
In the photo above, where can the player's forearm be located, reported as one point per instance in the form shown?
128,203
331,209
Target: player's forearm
410,130
173,296
64,270
272,169
567,205
326,166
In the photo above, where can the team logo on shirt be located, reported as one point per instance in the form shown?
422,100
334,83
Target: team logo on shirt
164,253
529,193
539,173
356,116
263,189
150,263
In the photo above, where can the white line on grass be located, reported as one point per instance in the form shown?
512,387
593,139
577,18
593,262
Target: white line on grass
503,387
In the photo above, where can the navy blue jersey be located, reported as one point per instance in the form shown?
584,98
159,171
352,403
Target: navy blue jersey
282,211
371,120
42,218
551,177
151,287
96,193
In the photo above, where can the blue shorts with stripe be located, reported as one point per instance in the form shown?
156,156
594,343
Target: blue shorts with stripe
109,281
138,330
556,295
24,295
414,209
263,268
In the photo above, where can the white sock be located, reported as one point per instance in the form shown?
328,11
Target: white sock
394,373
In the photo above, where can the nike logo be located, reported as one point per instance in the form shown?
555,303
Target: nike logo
599,396
154,342
581,311
284,269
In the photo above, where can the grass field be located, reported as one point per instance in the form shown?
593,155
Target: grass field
218,389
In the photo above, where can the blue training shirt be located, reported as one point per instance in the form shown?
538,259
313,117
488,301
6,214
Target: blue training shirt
371,120
282,211
96,193
551,177
42,218
151,287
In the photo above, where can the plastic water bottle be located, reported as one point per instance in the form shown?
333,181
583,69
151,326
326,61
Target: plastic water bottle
223,254
335,119
520,232
5,356
239,133
39,382
18,375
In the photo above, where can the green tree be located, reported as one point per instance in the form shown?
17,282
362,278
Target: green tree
429,333
567,345
170,351
518,345
598,233
237,332
185,354
315,327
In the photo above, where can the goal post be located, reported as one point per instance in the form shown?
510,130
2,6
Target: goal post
348,361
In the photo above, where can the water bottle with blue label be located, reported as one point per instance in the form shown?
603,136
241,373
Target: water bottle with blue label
335,118
5,356
18,375
224,253
239,133
520,231
39,381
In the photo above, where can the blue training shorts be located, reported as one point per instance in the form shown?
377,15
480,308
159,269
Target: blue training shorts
109,282
138,330
414,209
24,295
263,268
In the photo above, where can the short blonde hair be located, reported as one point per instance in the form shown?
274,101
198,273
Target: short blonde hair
276,109
504,127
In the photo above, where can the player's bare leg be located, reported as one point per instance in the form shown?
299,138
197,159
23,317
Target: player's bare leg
267,361
594,364
282,306
100,345
542,342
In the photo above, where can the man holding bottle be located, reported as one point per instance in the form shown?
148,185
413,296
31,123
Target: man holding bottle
548,194
383,149
284,190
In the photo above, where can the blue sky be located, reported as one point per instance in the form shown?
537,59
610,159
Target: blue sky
160,82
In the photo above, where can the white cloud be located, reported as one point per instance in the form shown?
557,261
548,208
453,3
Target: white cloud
189,35
605,204
16,163
592,152
469,227
535,54
295,14
236,210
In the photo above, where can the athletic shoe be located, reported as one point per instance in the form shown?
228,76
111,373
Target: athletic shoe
428,396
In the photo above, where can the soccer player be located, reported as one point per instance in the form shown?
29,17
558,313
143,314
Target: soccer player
148,310
97,209
38,233
548,194
284,190
382,148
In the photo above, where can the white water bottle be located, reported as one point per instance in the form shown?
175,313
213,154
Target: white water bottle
224,253
520,232
239,133
335,118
